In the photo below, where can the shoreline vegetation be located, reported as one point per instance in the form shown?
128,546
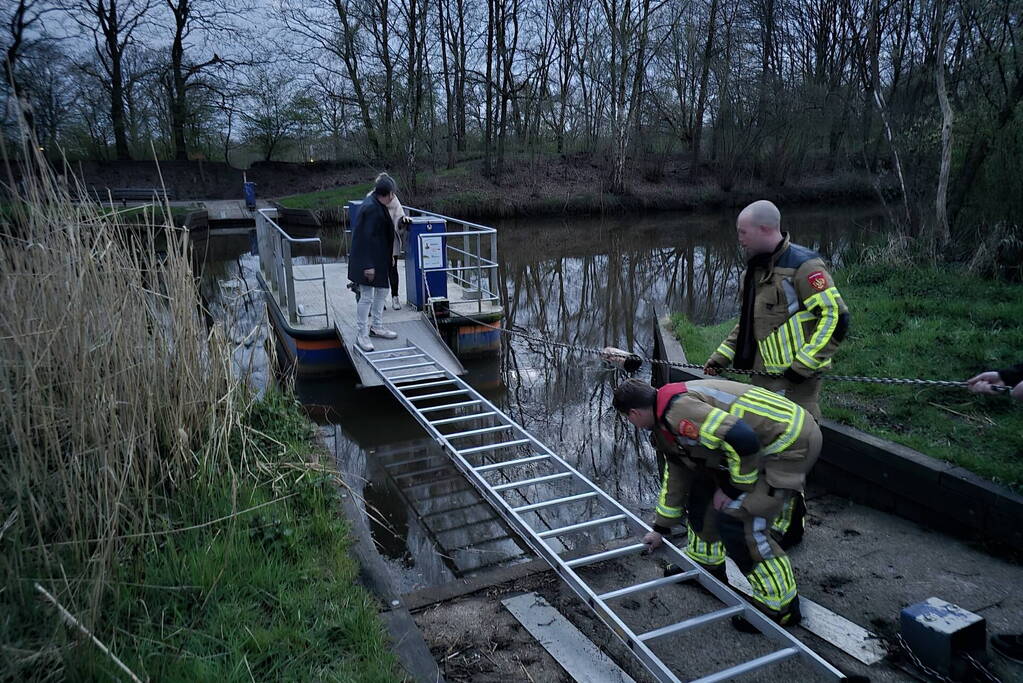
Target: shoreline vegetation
561,188
180,518
927,323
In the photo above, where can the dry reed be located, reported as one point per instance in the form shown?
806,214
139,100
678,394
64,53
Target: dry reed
113,391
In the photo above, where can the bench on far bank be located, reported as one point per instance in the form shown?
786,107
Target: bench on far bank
131,194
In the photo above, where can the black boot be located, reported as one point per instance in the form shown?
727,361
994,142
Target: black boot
789,618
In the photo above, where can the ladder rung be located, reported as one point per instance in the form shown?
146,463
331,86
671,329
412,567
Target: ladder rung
650,585
477,543
581,525
460,418
494,446
607,555
534,480
416,473
413,375
405,387
392,465
481,430
438,481
446,406
395,380
459,508
377,353
510,463
708,618
408,357
555,501
751,665
405,367
478,522
439,394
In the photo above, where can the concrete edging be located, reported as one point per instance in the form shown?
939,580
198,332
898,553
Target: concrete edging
891,477
409,645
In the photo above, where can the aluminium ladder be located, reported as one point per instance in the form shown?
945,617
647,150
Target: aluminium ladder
414,377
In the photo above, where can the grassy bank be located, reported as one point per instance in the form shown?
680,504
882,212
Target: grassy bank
176,518
929,324
267,593
573,185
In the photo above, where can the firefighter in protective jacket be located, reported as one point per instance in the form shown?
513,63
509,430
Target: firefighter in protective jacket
791,317
735,455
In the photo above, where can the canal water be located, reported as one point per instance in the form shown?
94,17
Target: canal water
586,281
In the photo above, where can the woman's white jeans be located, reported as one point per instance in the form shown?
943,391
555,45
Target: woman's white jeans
371,303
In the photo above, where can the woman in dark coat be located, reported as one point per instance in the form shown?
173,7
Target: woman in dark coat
370,260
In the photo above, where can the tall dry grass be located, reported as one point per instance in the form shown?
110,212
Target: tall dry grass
113,393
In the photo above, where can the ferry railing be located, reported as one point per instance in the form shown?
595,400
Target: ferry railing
470,259
275,262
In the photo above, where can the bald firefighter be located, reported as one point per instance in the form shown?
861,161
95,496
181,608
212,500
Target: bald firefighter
735,455
791,320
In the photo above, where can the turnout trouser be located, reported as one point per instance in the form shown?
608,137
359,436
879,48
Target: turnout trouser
789,523
742,532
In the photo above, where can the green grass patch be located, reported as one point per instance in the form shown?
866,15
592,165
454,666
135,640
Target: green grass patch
334,197
929,324
267,594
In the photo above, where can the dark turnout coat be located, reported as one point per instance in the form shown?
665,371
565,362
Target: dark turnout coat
372,243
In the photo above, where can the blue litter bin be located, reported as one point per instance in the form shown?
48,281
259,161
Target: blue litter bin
420,255
249,189
353,211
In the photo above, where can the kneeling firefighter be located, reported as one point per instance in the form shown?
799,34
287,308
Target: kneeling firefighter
735,456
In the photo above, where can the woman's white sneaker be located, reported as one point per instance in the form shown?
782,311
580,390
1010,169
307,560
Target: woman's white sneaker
364,343
395,304
383,333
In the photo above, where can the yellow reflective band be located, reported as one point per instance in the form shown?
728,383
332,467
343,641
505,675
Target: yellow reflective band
783,521
708,435
762,410
827,301
726,351
785,341
773,584
705,553
662,508
769,398
789,436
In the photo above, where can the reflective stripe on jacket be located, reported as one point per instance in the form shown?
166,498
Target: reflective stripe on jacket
799,317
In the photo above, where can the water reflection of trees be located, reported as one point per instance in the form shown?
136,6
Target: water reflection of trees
604,286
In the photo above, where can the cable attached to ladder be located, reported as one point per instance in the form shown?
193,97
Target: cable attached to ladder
694,366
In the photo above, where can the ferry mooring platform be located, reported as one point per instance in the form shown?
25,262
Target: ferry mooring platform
449,306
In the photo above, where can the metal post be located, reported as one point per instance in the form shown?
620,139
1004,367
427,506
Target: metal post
279,265
261,242
479,275
492,272
271,247
289,282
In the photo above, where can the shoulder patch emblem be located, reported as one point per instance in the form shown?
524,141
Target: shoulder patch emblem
817,280
688,430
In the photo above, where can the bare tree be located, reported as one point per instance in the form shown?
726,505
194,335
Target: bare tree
112,26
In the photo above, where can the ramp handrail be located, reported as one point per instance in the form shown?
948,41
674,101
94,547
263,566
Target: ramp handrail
471,250
275,261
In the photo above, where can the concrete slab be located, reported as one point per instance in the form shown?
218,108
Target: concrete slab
572,650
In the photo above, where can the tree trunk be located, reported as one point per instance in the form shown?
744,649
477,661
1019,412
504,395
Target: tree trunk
701,100
942,233
488,129
448,91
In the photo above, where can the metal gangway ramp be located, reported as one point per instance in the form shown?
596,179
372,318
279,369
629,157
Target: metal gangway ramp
440,400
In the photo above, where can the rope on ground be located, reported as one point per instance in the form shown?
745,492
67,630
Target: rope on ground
693,366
